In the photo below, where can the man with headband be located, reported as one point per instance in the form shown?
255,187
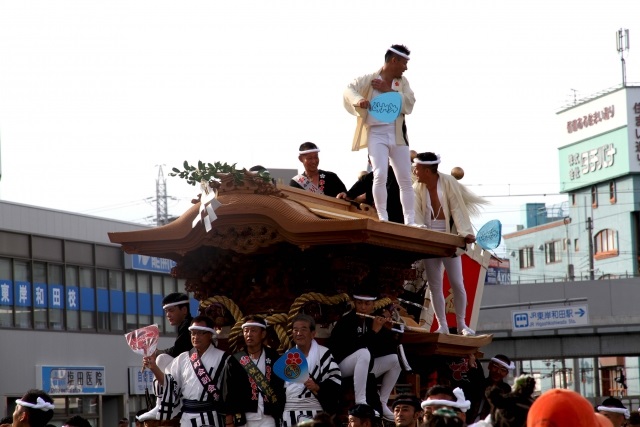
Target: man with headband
443,204
363,343
252,391
316,180
387,143
499,368
34,409
615,411
176,309
194,378
440,396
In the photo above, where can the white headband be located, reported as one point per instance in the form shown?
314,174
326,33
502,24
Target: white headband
623,411
244,325
311,150
427,162
503,363
461,404
40,404
364,298
202,328
172,304
397,52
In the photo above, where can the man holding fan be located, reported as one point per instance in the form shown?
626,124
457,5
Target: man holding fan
387,143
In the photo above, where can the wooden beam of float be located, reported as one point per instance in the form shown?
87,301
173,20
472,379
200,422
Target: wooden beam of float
269,245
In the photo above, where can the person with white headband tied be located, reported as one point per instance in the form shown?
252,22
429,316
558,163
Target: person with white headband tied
387,143
445,397
194,379
176,309
615,411
363,343
314,179
251,389
33,409
499,368
443,204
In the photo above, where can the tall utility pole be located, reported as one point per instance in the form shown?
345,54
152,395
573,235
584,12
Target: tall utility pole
590,232
622,44
162,213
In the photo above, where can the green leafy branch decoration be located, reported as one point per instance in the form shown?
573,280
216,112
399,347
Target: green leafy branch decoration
208,172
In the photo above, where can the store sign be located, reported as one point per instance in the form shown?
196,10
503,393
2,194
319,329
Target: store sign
140,380
148,263
550,318
71,379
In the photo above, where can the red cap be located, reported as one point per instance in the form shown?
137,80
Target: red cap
561,408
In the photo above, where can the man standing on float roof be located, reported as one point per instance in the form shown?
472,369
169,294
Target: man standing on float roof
387,143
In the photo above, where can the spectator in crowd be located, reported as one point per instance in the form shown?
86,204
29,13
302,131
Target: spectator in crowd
362,416
445,417
317,180
33,409
407,410
78,421
444,397
561,407
615,410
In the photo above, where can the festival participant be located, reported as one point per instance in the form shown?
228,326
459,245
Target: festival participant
444,397
316,180
176,308
78,421
615,410
499,367
406,410
357,341
322,391
560,407
33,409
443,204
194,378
251,390
362,416
159,412
362,192
387,143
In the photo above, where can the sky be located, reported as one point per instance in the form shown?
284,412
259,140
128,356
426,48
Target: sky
96,95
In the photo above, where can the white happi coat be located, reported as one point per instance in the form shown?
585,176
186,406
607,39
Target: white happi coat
185,385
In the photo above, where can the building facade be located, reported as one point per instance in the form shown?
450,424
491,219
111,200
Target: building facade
600,173
67,297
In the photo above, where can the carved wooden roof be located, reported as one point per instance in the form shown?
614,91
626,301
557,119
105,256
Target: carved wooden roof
255,216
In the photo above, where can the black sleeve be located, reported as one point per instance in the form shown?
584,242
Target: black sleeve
182,344
294,184
233,386
357,189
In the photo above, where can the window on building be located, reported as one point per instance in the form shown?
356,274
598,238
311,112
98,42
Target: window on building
612,192
144,299
573,199
22,294
6,281
606,244
55,296
87,300
156,302
526,257
102,298
40,295
131,301
553,251
72,298
576,245
116,300
594,196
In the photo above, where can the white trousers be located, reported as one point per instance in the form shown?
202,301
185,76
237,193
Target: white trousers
382,152
265,421
357,365
434,268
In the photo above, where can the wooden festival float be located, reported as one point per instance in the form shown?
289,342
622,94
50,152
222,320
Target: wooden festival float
278,251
